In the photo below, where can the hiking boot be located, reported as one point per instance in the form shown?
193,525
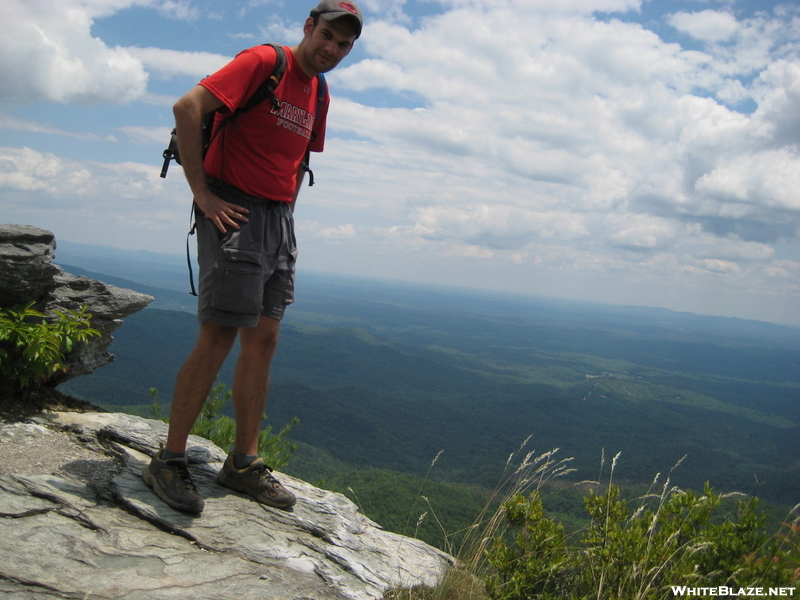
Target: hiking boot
257,481
171,481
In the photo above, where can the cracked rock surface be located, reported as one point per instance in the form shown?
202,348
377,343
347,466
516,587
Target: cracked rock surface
77,521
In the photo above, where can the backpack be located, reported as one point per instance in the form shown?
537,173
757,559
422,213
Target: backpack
264,91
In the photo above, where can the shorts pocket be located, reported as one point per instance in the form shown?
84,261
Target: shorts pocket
238,284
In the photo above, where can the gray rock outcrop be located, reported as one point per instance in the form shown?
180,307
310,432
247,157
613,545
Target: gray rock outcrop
89,527
27,274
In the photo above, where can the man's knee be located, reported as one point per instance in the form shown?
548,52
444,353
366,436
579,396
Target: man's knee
216,338
261,339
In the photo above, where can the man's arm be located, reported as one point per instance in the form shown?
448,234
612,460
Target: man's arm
189,112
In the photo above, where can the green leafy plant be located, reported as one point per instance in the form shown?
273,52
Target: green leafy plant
671,540
678,543
534,562
275,449
32,348
220,429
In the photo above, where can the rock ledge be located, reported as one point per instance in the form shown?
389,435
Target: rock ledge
92,529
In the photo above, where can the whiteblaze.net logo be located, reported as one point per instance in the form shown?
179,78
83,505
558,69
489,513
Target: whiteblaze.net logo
724,591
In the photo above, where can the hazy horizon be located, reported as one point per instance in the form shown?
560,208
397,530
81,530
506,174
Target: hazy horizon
178,267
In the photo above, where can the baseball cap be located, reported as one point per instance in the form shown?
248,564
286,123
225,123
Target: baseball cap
335,9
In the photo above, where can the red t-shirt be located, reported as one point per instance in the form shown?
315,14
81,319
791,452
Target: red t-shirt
260,151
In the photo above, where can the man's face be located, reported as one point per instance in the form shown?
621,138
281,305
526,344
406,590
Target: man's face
327,43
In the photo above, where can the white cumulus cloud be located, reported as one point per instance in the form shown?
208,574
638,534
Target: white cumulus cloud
47,52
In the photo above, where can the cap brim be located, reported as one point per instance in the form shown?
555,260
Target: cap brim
333,16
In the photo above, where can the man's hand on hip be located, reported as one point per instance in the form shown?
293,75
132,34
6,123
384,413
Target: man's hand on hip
221,213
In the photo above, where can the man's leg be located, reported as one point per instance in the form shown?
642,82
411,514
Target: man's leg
168,475
250,388
195,379
251,381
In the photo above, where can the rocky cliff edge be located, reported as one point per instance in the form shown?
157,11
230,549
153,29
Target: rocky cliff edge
77,521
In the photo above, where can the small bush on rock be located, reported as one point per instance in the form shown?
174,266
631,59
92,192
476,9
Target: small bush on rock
32,349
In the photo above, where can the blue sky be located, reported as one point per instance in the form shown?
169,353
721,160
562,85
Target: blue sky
623,151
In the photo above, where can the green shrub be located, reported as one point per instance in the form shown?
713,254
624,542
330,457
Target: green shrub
32,349
670,540
534,563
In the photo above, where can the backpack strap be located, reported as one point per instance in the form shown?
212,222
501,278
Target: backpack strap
322,91
192,229
264,91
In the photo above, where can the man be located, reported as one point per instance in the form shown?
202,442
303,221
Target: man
244,191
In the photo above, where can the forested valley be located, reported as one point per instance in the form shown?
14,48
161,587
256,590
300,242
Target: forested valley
415,401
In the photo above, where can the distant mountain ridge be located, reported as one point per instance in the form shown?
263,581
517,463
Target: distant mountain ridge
169,272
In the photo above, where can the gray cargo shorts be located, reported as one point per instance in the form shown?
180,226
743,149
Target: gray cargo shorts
247,272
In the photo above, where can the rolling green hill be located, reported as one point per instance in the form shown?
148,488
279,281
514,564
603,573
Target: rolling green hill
383,377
